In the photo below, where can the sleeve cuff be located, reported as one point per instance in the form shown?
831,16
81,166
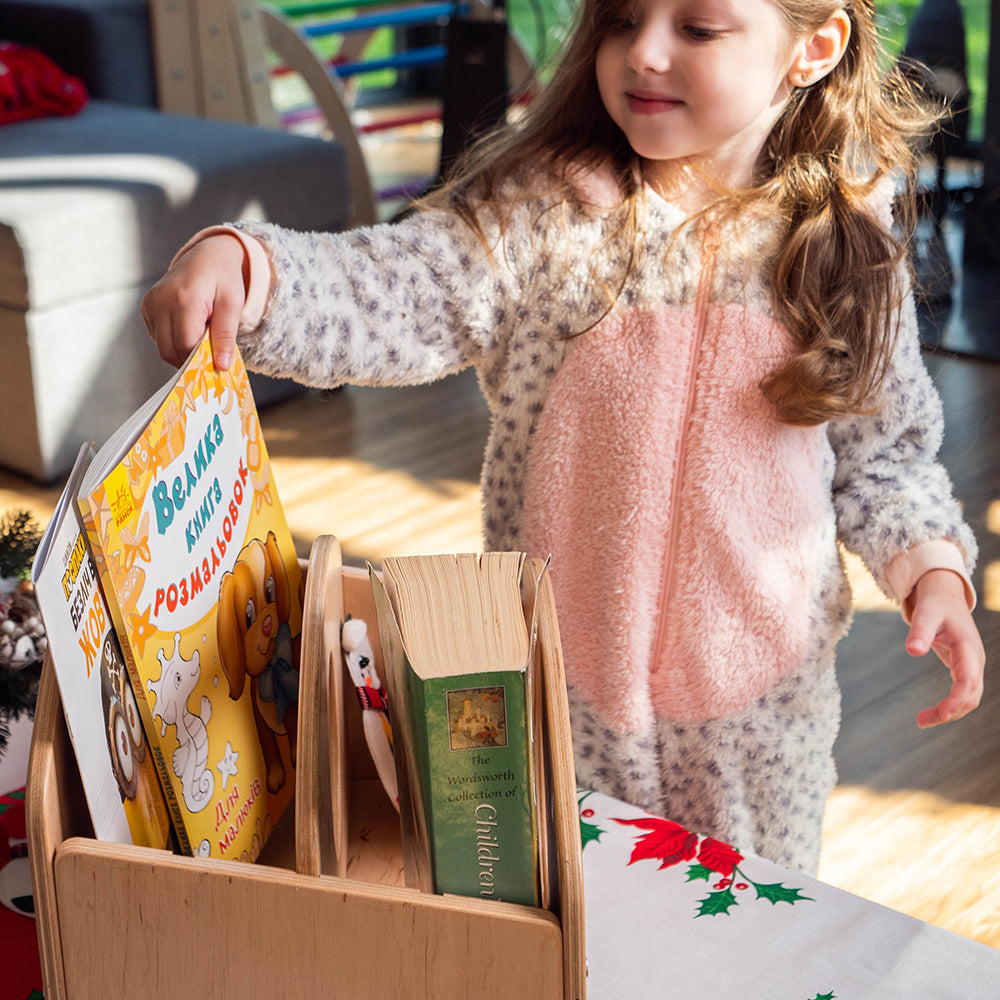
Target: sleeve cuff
908,567
258,283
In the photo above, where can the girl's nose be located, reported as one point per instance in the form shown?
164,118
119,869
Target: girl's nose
649,49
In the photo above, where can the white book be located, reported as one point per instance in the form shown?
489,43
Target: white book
116,769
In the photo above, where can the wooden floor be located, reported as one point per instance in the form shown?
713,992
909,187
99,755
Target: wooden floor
915,821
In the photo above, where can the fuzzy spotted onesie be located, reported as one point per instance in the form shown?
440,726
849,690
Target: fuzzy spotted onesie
694,537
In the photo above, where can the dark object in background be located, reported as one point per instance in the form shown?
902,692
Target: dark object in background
934,56
475,82
936,41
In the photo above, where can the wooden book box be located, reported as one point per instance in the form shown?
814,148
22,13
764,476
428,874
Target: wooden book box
325,912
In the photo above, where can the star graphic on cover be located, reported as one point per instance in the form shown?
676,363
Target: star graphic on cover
141,629
227,766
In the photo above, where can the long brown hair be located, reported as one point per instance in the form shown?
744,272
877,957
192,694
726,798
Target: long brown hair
836,279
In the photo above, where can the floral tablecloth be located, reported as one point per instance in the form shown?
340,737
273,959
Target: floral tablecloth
675,915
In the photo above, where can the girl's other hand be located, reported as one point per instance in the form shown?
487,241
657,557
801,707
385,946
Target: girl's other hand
205,287
941,620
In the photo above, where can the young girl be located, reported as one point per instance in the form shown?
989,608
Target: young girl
676,279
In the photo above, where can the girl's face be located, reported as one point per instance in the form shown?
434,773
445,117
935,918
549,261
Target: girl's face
703,80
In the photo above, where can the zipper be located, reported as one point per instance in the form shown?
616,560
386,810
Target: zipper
667,580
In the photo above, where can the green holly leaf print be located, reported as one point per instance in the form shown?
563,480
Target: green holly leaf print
824,996
698,873
589,832
715,903
778,893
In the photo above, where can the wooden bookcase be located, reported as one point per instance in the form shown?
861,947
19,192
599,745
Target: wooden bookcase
325,912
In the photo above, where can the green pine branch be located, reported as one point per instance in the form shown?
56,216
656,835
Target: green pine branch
19,537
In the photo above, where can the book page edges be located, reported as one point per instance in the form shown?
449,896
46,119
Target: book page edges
455,612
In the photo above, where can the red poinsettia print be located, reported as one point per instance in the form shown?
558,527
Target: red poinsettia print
666,840
718,863
719,856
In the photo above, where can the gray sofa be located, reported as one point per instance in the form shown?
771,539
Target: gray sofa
92,208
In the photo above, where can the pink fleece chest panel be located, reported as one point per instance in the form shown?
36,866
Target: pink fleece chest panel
682,517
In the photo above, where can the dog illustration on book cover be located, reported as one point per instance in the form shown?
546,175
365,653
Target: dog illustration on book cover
255,641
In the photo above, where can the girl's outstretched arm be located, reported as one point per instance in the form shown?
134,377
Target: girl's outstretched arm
204,287
940,620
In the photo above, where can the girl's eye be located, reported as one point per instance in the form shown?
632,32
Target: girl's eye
701,34
621,25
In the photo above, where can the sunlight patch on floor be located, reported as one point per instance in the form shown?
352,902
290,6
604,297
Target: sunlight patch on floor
376,512
993,517
991,572
867,596
863,833
991,586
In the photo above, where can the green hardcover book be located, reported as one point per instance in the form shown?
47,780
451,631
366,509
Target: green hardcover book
472,750
462,679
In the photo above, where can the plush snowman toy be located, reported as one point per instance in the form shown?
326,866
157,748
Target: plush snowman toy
360,660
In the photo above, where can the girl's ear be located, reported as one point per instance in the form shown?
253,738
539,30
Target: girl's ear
817,54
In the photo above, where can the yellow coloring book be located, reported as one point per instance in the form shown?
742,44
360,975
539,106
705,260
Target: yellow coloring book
201,577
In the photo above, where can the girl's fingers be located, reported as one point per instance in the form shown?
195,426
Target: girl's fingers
965,660
175,320
204,288
222,328
941,621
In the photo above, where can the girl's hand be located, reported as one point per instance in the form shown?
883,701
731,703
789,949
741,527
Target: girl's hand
205,287
941,620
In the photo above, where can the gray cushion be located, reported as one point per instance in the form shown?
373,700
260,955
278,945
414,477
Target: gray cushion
102,199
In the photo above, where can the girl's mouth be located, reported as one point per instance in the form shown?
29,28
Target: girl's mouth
641,102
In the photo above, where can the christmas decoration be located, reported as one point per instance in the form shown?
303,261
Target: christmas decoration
22,646
22,635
